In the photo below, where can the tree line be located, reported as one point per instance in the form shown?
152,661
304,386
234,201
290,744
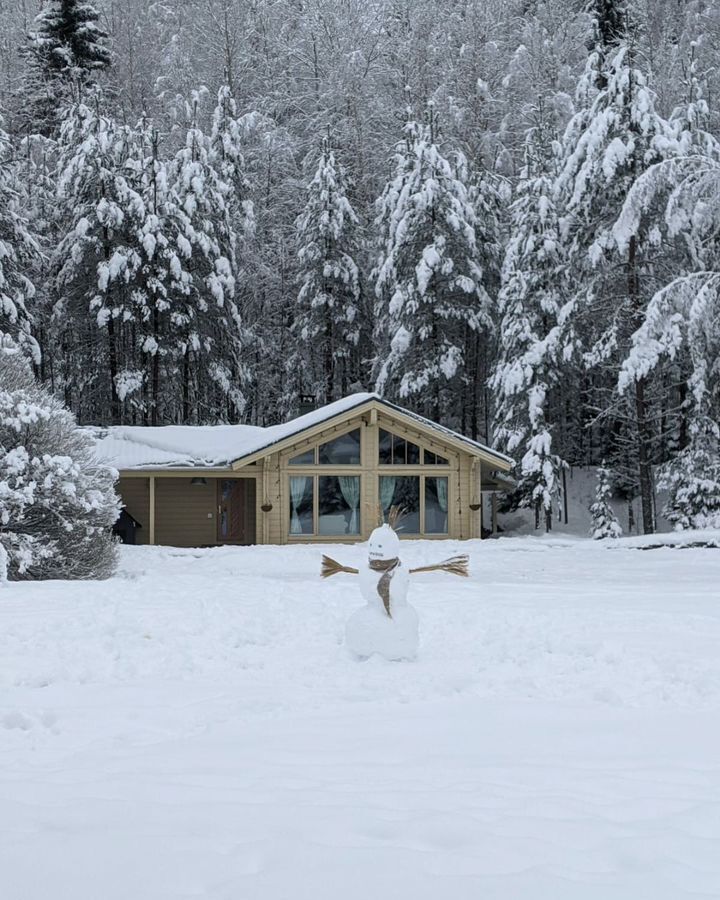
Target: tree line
501,215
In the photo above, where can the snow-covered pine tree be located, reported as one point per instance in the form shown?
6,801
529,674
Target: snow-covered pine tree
327,318
65,50
529,356
67,39
490,196
35,166
97,260
160,271
205,316
428,281
227,140
57,506
681,323
610,18
604,522
18,249
684,319
607,146
692,478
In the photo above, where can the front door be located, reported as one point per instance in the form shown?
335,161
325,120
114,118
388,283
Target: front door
236,511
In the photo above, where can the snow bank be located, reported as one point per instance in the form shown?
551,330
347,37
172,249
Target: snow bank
195,728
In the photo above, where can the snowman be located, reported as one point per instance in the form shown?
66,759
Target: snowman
387,625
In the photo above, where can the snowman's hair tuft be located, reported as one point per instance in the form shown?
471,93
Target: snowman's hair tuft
395,516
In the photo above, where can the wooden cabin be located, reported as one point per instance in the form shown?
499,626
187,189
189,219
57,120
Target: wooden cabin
320,477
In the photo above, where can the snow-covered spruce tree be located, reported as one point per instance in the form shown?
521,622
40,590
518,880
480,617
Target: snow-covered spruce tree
327,319
65,50
692,478
684,319
160,271
604,522
529,358
610,142
67,39
35,167
610,18
227,140
681,323
428,282
57,505
205,316
18,249
490,197
97,261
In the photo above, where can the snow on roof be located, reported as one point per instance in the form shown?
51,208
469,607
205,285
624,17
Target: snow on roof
197,446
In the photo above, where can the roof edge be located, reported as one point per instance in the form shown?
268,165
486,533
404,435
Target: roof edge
493,457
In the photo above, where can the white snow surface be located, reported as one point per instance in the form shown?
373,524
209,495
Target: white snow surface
194,728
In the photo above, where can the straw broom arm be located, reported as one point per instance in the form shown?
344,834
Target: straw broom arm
331,566
456,565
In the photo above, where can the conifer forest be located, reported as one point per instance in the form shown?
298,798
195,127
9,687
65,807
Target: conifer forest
501,214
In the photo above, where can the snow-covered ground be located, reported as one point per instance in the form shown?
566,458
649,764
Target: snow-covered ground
194,729
581,482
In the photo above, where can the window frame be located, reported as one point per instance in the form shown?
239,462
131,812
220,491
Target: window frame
369,471
315,474
422,473
314,448
421,445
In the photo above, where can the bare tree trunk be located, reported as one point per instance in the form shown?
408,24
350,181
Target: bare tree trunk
329,374
186,388
155,369
112,363
644,435
644,463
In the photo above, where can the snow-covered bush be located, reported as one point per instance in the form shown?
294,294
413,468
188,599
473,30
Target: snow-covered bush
604,521
692,479
57,505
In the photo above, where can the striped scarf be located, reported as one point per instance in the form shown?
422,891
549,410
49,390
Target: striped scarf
388,568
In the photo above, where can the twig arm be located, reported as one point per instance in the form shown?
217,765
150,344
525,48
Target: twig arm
331,566
456,565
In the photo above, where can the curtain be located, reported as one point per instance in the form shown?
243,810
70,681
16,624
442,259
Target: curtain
442,495
350,489
442,492
298,483
387,491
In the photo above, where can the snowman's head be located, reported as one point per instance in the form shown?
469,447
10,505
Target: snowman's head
384,544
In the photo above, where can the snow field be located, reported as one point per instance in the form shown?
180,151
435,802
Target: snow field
195,728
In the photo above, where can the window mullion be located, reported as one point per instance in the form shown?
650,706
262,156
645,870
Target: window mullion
316,504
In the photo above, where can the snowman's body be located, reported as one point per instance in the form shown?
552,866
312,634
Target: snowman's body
370,630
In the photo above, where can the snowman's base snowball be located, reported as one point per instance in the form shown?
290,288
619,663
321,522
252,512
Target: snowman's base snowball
370,632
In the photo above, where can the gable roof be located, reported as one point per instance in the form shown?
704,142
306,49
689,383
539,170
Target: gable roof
132,447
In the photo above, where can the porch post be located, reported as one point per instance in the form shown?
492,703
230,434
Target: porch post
493,501
152,510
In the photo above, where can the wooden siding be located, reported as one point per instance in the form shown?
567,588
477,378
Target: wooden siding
135,495
185,513
462,521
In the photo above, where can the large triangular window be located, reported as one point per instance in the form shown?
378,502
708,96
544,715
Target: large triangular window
394,450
